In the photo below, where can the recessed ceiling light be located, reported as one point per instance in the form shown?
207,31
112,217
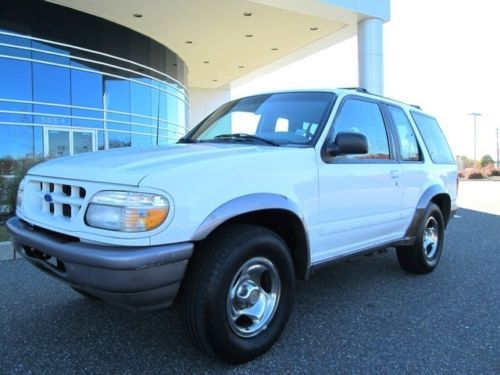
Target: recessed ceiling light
313,28
249,35
215,80
274,49
189,42
206,62
137,15
241,67
247,14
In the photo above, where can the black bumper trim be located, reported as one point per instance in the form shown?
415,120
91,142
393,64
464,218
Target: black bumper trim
138,277
112,257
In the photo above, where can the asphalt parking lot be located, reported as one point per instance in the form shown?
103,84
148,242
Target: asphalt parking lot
365,315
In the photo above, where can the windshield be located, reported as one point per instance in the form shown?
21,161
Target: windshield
273,119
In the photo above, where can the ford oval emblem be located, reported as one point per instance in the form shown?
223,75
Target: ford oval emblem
47,197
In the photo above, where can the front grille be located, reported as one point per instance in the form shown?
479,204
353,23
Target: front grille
60,200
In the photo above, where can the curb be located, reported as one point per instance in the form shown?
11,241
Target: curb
7,251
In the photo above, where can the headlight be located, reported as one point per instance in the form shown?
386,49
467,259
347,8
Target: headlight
20,190
126,211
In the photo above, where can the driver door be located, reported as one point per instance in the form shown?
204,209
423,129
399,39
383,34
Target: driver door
360,195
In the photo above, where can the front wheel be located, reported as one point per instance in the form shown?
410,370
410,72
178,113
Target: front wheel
424,255
238,292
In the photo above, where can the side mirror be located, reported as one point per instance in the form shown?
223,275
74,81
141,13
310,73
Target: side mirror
347,143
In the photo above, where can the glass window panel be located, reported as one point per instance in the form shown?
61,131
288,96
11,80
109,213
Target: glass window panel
65,59
16,41
141,104
259,115
117,139
117,95
364,117
51,84
15,78
140,97
15,83
86,88
58,141
408,145
118,99
434,139
82,142
86,91
16,141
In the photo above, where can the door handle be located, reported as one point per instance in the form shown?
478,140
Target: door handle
394,174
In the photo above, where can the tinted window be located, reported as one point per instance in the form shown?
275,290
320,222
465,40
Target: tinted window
364,117
408,145
433,138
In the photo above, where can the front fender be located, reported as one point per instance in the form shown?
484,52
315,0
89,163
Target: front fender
242,205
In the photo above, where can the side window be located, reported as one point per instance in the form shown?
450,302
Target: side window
433,138
408,145
364,117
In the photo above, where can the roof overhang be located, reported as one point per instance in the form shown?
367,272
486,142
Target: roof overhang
228,42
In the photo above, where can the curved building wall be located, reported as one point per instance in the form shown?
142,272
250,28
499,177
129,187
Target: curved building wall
71,82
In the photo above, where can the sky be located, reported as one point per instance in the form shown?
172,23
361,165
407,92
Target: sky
442,55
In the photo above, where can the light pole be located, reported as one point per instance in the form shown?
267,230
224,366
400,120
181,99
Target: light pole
475,115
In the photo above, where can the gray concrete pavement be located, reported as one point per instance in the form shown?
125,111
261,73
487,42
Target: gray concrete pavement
363,316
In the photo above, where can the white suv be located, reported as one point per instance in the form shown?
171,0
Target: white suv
265,190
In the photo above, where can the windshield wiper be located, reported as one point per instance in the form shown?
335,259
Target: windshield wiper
245,136
187,140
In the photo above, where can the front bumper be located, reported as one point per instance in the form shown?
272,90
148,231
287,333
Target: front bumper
143,278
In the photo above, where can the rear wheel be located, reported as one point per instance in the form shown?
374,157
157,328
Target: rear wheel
424,255
238,292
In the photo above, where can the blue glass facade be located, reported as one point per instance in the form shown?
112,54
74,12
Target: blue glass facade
71,83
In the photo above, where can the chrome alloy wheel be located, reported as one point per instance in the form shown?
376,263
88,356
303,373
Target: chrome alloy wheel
430,240
253,297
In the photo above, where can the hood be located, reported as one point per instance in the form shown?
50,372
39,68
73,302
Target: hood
128,166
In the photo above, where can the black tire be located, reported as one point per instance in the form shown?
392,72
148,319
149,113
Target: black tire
420,258
219,264
85,294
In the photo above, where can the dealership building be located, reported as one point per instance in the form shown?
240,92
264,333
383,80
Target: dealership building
87,75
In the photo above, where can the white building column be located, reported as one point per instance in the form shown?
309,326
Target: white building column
371,55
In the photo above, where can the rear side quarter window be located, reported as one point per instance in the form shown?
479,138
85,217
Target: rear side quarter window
434,139
408,144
